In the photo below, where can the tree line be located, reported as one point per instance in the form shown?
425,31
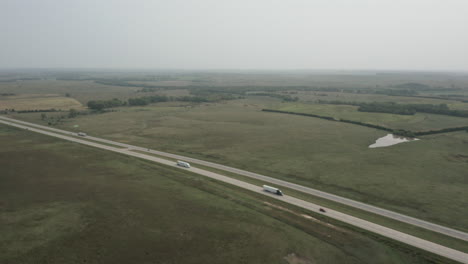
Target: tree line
399,132
6,111
284,98
145,100
401,109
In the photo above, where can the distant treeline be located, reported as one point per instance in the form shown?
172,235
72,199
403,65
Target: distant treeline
285,98
162,98
39,111
146,87
400,132
424,87
7,94
6,111
102,104
20,79
145,100
401,109
118,82
404,89
396,92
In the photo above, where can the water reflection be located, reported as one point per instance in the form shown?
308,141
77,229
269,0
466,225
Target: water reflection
390,140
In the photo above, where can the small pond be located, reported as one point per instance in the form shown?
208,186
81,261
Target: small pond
390,140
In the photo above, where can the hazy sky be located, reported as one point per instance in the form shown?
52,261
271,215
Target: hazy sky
235,34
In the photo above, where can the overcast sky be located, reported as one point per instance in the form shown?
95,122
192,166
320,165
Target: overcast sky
235,34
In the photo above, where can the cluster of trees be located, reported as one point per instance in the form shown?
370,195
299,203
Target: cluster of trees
445,130
99,105
161,98
7,94
396,92
55,119
6,111
114,82
411,109
52,120
402,109
37,111
147,100
391,108
285,98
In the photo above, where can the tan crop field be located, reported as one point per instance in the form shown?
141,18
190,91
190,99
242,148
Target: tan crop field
38,101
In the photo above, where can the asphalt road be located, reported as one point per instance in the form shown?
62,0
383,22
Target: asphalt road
366,225
276,182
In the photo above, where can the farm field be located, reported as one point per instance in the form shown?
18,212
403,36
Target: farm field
38,101
82,91
424,179
98,207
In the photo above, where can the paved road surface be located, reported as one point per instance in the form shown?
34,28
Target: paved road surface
366,207
381,230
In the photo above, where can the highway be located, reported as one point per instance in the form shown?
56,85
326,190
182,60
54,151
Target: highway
277,182
363,224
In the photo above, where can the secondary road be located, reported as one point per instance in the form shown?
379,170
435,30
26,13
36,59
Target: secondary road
366,207
366,225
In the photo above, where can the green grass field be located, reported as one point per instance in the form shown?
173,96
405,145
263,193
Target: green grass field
424,179
65,203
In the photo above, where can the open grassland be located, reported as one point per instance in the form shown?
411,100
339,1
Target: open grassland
66,203
416,122
38,102
425,179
